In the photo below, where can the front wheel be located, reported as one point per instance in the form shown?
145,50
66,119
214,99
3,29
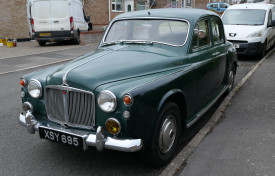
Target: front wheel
166,135
263,51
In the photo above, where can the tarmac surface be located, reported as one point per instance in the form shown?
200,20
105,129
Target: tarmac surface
244,142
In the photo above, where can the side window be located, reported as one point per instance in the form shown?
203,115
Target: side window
223,6
217,31
273,13
201,37
269,18
215,5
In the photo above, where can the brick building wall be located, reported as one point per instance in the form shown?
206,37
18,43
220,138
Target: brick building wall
13,14
13,19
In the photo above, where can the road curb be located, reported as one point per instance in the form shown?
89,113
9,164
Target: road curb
176,166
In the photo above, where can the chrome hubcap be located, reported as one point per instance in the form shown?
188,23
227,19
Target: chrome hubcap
231,79
168,133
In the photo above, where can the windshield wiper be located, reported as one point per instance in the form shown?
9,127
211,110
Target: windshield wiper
137,42
128,42
110,43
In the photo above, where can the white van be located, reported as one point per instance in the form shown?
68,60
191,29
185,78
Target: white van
250,27
56,20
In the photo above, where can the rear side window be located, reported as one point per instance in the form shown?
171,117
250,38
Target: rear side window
223,6
217,31
201,37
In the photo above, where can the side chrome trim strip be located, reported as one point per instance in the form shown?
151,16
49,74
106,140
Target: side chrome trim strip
200,114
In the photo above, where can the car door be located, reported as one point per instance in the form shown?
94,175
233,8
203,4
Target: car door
203,56
219,51
270,31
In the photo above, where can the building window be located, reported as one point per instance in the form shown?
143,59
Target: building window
189,3
174,3
141,5
116,5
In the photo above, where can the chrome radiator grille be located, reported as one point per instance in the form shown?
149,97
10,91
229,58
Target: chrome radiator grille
70,106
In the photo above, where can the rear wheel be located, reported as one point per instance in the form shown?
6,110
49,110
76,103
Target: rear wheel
166,135
42,43
231,79
77,38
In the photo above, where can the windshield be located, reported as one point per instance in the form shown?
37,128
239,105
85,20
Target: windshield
148,30
244,17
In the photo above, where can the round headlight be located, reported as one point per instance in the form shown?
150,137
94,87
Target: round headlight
107,101
35,88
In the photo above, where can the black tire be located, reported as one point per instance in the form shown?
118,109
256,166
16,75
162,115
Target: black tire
77,38
231,79
42,43
263,51
168,127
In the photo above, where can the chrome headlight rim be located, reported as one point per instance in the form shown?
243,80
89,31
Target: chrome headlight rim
39,87
113,97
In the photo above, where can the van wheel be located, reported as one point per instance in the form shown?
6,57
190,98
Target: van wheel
77,38
166,135
42,43
263,51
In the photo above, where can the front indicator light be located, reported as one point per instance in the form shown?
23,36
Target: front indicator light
127,99
113,126
23,82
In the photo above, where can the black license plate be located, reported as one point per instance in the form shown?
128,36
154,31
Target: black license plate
61,137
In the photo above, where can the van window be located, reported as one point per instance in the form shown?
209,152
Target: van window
244,17
269,18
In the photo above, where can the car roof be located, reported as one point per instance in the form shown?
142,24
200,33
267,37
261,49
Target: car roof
251,6
180,13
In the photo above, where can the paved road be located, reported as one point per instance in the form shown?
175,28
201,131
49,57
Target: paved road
25,154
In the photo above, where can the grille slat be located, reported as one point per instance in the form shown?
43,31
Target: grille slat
80,106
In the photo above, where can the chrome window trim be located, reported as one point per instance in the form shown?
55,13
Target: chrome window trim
150,18
65,88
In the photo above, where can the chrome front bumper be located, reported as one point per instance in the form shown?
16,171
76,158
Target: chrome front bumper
98,140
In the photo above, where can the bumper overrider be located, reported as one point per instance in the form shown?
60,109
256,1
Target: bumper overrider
98,140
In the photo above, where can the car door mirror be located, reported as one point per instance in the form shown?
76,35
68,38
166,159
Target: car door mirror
272,24
202,34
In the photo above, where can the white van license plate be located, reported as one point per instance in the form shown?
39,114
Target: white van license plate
61,137
236,45
45,34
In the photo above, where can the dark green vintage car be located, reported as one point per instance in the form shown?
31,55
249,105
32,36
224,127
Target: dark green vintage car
154,73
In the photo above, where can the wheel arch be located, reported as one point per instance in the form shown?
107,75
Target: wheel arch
177,96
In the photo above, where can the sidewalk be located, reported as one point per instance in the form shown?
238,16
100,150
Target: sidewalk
243,144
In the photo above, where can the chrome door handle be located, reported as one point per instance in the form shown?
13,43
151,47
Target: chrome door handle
216,53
